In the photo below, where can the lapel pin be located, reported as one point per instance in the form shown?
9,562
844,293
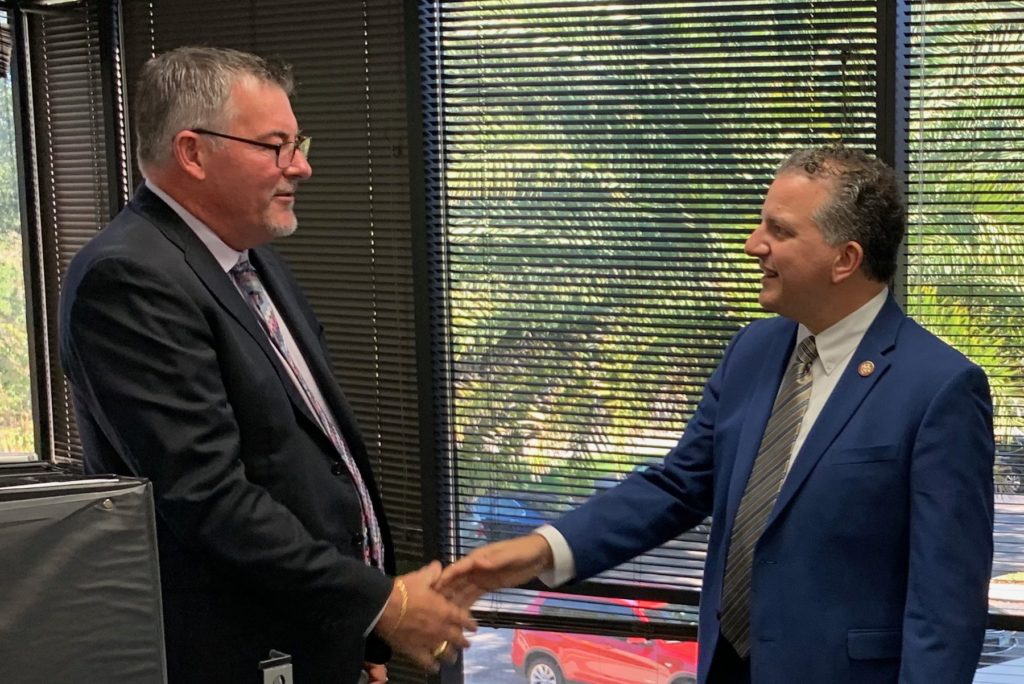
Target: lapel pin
866,368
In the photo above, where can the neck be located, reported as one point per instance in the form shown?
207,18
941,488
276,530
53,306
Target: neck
193,200
845,302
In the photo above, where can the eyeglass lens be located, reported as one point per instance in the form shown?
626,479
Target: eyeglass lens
286,154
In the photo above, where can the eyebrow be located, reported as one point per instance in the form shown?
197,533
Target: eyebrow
284,135
776,222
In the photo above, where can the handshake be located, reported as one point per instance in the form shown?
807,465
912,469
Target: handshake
428,610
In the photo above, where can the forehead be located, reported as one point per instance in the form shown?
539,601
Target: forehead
796,196
257,108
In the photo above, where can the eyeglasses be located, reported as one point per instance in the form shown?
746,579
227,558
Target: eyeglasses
285,151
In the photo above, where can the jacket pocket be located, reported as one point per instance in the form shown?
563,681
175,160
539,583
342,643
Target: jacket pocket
874,644
867,454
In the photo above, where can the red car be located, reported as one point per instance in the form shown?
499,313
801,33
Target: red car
561,657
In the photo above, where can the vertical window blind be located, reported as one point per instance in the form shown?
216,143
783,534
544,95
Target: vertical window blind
594,170
69,190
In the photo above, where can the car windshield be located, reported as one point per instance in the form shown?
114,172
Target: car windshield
581,608
662,615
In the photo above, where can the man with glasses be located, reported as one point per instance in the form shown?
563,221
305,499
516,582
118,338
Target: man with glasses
195,361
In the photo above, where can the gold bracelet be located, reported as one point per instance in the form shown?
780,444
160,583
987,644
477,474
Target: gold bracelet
405,605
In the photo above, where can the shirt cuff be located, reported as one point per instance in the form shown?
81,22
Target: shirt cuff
564,567
375,620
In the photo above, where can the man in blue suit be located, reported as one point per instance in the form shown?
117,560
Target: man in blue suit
844,452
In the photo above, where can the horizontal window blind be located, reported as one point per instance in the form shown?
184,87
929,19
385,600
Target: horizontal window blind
965,264
593,171
966,172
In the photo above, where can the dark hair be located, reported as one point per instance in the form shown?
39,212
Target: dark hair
866,206
190,87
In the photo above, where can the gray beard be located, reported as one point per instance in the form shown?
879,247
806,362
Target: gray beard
280,230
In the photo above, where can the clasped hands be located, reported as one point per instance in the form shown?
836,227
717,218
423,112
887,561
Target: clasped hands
428,610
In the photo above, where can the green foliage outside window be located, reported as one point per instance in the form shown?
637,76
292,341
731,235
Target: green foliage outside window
965,264
16,427
599,186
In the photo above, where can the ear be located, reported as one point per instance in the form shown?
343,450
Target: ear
189,154
849,257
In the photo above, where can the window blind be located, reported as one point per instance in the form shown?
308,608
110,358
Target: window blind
593,170
965,244
69,192
966,176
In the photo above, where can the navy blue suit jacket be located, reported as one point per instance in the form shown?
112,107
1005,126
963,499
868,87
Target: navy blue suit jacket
874,565
174,380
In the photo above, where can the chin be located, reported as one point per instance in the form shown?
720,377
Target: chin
281,229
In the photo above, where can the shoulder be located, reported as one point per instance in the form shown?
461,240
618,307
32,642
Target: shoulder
130,261
765,340
764,331
130,237
927,371
923,351
770,327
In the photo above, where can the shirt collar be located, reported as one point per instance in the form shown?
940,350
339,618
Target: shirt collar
838,342
225,255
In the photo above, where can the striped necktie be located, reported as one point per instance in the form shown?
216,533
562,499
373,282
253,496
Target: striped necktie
249,282
766,477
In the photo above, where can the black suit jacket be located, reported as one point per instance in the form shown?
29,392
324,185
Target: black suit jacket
259,524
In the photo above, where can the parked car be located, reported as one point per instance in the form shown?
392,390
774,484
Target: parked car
494,517
561,657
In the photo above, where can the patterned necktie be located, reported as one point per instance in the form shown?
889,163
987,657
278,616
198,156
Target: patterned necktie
762,489
249,282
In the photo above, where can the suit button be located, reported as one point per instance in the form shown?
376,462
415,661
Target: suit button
357,540
337,469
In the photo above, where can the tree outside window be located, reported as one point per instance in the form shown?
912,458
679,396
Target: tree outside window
16,426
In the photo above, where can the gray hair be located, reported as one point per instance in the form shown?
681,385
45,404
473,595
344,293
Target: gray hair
866,205
189,87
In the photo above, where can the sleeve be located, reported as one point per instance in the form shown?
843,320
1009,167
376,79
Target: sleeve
143,356
651,507
951,517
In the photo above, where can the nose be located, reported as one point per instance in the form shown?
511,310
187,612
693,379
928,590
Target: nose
756,246
299,168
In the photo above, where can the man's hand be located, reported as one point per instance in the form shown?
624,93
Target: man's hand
419,621
495,566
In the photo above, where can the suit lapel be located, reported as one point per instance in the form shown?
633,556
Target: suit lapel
216,281
307,337
846,398
308,340
763,390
